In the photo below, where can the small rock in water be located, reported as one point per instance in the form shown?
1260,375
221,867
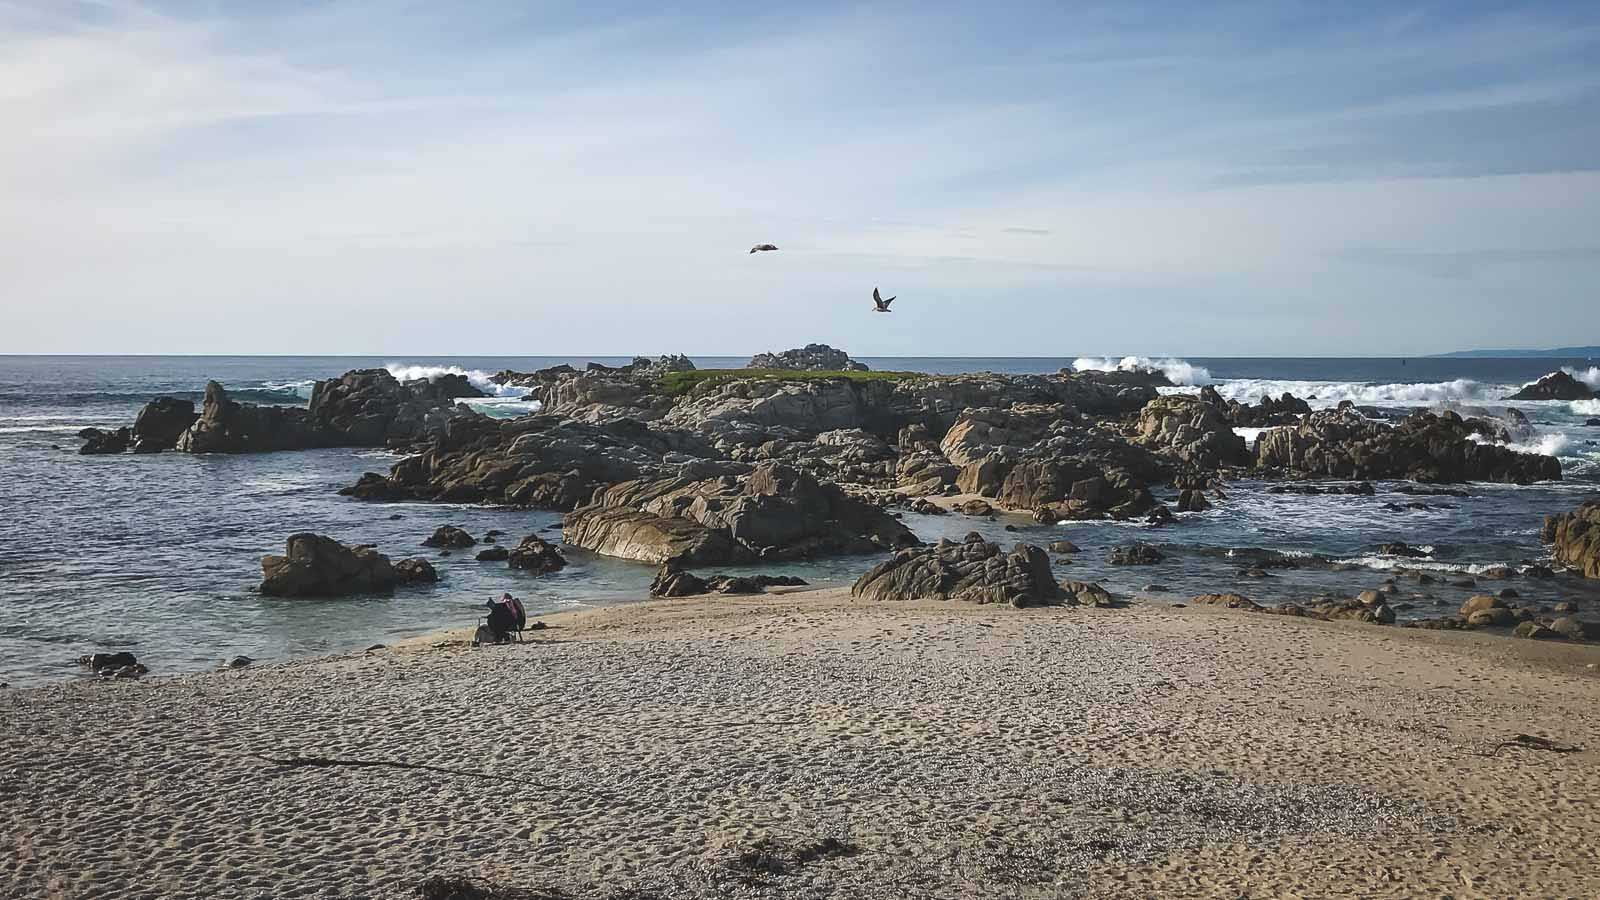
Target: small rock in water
375,647
449,536
396,517
1063,547
1509,594
239,662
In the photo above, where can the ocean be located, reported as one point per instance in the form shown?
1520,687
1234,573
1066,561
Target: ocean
161,554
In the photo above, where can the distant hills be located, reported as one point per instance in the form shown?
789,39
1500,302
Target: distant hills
1562,352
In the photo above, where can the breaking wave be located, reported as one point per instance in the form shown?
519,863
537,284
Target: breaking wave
1589,376
1177,371
1331,393
477,378
1553,444
1586,407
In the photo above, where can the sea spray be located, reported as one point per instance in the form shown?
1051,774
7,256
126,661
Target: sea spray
475,377
1177,371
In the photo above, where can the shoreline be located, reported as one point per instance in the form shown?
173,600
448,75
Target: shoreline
958,748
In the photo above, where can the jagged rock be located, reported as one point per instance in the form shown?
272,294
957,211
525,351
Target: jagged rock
1135,555
416,571
1160,515
317,566
1193,501
445,387
110,664
536,555
774,512
1555,386
973,570
1191,431
1575,538
810,358
160,424
362,408
672,581
450,536
98,441
1421,447
1268,413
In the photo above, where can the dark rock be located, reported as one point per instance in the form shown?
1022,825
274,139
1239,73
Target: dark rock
1535,632
672,581
1193,501
976,508
494,554
98,441
1555,386
537,555
161,422
99,663
1064,547
1509,594
1135,555
445,387
973,570
1160,515
238,662
1231,601
1401,548
317,566
416,571
1190,431
1576,629
451,537
1085,593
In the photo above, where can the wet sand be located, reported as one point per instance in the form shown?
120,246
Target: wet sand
953,750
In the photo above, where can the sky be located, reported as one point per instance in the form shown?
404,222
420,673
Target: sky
526,178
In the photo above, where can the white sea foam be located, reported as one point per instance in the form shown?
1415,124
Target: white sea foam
1586,407
1555,443
1589,376
1332,393
27,429
301,389
1177,371
475,377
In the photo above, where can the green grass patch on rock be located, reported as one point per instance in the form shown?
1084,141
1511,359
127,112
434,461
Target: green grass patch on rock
679,383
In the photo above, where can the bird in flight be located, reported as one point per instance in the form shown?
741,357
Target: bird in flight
880,304
762,248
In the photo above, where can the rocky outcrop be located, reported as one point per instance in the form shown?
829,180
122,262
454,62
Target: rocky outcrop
364,408
161,423
98,441
449,537
1555,386
444,388
1421,447
1135,555
810,358
973,570
1285,410
536,555
1574,538
314,565
1191,432
774,512
416,571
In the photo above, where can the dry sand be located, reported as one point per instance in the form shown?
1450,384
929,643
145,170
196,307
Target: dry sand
964,751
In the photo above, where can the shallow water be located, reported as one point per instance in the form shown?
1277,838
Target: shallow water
160,554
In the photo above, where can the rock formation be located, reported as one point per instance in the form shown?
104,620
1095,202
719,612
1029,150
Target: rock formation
672,581
536,555
1191,432
974,570
774,512
810,358
317,566
1421,447
1555,386
1575,538
449,537
161,423
98,441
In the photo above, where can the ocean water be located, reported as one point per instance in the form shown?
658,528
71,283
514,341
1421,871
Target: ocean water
160,554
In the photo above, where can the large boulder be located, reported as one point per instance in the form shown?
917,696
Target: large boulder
1190,431
449,537
1340,443
1555,386
314,565
974,570
536,555
774,512
810,358
1574,538
161,422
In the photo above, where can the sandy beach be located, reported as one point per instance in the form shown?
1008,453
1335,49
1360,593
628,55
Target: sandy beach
711,746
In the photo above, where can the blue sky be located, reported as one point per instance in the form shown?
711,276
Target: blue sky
385,177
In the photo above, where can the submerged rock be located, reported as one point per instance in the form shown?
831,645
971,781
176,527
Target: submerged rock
98,441
314,565
974,570
416,571
450,536
1135,555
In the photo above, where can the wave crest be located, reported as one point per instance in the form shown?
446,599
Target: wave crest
477,378
1178,371
1330,393
1589,376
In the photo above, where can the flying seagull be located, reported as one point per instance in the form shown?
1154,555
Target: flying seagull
762,248
880,304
